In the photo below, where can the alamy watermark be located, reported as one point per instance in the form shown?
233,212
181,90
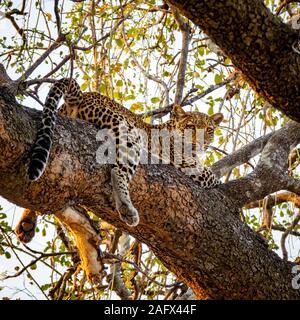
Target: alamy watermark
149,146
296,278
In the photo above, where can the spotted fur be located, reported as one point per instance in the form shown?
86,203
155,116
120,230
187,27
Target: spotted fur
125,127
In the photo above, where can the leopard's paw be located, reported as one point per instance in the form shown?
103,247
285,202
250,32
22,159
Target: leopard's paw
129,214
25,229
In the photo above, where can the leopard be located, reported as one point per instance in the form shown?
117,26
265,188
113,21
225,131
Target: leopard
128,131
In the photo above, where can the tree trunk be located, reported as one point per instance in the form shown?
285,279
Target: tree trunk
196,233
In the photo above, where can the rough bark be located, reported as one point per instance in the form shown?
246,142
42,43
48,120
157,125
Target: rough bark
259,44
197,234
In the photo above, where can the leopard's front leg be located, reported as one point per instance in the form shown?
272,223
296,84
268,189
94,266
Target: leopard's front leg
120,182
128,157
202,175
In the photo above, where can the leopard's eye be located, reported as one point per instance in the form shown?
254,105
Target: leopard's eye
210,130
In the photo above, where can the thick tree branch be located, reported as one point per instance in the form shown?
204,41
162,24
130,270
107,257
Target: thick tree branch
270,174
276,199
196,233
258,43
241,156
293,185
269,202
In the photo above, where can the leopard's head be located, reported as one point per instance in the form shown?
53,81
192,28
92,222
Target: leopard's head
200,124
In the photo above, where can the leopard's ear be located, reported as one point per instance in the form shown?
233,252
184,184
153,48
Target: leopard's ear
217,117
178,112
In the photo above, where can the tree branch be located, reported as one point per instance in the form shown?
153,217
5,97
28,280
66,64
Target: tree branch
270,174
286,233
276,199
241,156
185,33
57,17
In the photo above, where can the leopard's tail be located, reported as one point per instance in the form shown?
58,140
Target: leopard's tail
42,146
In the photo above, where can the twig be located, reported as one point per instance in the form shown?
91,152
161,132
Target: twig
21,262
158,113
43,255
38,81
63,61
283,229
115,241
137,252
286,233
185,32
284,4
9,16
61,284
57,43
31,95
219,62
237,134
108,34
118,258
185,98
28,253
57,17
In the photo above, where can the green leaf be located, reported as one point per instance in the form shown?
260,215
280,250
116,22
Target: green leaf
119,43
155,99
7,255
132,33
2,215
227,61
119,83
130,97
210,111
218,78
281,214
33,267
146,62
85,85
218,132
201,51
